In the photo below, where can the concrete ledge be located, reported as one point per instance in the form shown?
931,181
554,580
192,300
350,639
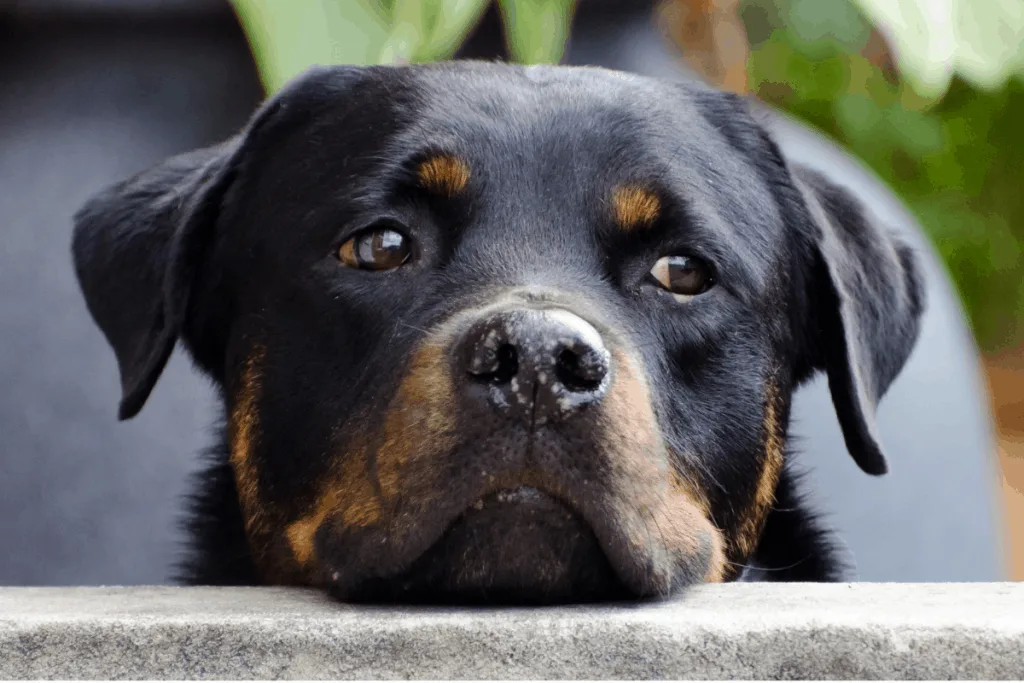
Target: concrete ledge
930,631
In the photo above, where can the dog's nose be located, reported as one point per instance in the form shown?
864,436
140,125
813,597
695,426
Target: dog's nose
536,365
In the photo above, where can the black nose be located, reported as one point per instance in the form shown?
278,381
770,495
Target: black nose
536,365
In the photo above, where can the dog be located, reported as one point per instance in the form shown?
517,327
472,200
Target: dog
495,334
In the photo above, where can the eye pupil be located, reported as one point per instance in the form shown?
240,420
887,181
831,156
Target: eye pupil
376,249
682,275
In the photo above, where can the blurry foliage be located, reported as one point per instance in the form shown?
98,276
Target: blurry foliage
978,39
288,36
958,161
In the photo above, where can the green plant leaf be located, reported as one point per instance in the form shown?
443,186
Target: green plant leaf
536,30
453,21
954,161
288,37
428,30
410,30
813,21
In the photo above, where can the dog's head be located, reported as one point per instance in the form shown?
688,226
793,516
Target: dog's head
496,332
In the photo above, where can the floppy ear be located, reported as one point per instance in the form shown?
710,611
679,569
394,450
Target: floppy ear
864,287
867,296
138,246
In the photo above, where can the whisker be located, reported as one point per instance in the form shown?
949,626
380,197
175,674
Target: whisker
769,569
412,327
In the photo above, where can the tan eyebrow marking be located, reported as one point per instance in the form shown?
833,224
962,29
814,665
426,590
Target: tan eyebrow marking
444,174
635,207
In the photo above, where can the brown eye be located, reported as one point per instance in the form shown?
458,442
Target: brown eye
683,276
382,249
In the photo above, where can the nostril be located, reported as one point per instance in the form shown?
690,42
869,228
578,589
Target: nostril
533,365
501,367
581,371
507,365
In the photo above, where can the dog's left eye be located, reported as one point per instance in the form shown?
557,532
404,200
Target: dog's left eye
380,249
683,276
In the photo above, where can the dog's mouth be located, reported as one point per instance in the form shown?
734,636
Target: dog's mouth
512,546
523,495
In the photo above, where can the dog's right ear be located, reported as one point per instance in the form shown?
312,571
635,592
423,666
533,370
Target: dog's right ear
138,246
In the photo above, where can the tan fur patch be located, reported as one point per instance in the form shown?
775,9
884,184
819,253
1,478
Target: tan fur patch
300,534
717,571
756,514
418,426
349,496
262,522
635,207
665,506
446,175
244,434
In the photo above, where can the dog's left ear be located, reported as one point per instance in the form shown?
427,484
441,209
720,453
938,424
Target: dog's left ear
866,296
862,286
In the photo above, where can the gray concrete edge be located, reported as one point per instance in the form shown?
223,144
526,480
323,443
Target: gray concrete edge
862,631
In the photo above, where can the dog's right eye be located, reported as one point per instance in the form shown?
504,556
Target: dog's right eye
376,249
683,276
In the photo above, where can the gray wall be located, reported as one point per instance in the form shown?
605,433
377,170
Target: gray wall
85,102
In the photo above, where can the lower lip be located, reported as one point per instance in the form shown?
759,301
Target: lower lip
521,495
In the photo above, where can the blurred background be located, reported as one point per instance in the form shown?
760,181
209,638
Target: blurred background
917,104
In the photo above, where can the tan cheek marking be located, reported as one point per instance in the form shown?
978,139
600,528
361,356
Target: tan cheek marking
446,175
717,571
718,567
670,505
634,207
262,522
244,431
349,495
418,426
764,495
300,535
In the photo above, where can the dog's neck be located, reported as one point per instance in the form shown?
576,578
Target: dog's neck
218,550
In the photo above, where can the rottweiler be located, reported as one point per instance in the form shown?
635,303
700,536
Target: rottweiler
487,333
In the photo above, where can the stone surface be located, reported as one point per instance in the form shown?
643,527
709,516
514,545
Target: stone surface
863,631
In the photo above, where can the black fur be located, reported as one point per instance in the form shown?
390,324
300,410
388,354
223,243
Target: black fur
795,544
218,553
235,251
